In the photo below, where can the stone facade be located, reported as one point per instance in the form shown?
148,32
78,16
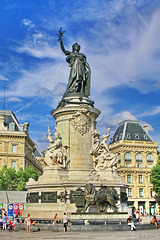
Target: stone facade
16,147
136,157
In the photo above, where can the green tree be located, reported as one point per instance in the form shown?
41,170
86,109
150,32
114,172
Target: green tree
12,180
8,178
23,177
155,177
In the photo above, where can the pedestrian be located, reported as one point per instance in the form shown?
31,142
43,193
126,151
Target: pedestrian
4,221
65,222
154,221
20,219
130,223
55,219
28,222
14,224
86,222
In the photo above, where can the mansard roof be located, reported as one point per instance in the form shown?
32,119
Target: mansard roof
37,152
130,130
10,118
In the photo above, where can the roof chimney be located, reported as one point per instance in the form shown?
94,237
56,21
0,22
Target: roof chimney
2,127
145,128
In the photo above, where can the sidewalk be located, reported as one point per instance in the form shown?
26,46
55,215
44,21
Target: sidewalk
43,235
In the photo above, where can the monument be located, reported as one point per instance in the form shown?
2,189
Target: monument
80,175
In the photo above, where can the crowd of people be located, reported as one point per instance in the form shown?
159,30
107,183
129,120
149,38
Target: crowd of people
10,223
7,223
137,216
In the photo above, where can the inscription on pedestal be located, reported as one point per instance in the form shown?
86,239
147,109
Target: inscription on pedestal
78,198
33,197
49,197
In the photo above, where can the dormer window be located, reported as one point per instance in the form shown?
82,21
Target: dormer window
120,136
12,126
136,136
145,136
128,135
116,137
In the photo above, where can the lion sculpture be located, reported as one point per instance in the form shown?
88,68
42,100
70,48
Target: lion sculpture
101,198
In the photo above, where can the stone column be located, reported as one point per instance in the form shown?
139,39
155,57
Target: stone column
75,125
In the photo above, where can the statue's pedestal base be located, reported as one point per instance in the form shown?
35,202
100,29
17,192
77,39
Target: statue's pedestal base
61,190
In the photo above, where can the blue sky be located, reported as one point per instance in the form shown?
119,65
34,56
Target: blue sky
121,39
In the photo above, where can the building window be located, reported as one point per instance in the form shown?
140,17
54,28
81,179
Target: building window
14,148
136,136
149,157
150,178
129,192
120,136
12,126
116,138
127,165
150,165
119,157
152,193
139,165
141,192
129,178
138,157
128,135
127,157
140,179
145,136
13,164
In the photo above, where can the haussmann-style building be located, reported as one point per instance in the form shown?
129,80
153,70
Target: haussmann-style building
137,154
16,147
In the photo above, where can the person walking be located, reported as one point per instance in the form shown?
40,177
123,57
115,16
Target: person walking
55,219
4,221
65,222
28,222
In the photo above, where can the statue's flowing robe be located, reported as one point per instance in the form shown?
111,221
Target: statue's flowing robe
79,79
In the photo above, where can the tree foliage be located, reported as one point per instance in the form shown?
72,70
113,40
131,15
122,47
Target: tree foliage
10,179
155,177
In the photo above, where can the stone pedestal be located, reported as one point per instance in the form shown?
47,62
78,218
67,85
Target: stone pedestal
75,122
60,189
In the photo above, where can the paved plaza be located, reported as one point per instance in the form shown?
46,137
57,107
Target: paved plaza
122,235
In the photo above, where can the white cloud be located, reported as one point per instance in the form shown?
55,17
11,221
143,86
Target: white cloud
150,112
25,106
3,78
28,22
41,52
14,99
114,119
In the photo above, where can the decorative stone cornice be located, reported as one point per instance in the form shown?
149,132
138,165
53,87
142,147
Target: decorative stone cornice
11,136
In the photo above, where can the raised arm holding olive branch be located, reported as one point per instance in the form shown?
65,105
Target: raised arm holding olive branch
80,73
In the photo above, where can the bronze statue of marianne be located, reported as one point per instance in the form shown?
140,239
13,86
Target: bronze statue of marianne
80,73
